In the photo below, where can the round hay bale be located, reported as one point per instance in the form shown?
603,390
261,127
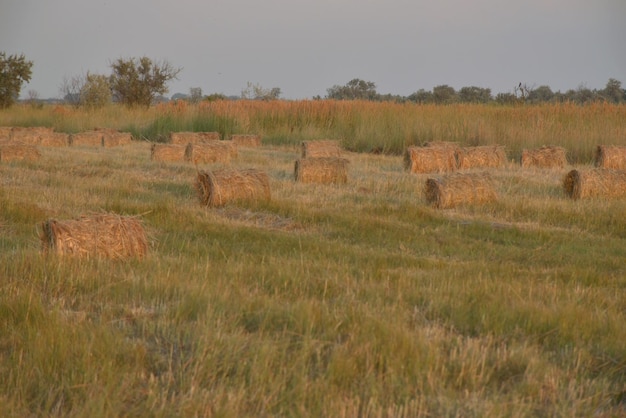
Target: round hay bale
459,188
219,187
55,139
18,152
610,156
544,157
184,138
321,148
595,182
98,235
168,152
429,159
249,140
210,152
486,156
322,170
87,139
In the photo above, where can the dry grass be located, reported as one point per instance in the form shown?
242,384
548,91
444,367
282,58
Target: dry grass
611,156
87,139
321,148
597,182
115,139
220,187
18,152
435,159
185,138
168,152
103,235
459,188
322,170
249,140
486,156
544,157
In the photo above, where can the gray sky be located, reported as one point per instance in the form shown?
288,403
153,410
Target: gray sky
307,46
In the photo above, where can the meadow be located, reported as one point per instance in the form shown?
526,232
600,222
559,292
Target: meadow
354,300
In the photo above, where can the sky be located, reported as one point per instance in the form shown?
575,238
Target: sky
305,47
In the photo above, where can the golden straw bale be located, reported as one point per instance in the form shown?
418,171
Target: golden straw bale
98,235
210,152
18,152
185,138
429,159
610,156
321,148
5,133
249,140
87,138
219,187
323,170
493,156
168,152
115,138
55,139
544,157
30,135
459,188
595,182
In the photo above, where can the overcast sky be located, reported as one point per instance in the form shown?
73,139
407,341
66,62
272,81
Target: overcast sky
305,47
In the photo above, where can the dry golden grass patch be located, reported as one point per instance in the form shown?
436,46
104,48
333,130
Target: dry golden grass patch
18,152
321,148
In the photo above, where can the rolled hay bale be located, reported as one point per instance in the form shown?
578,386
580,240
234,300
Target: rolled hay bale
321,148
18,152
322,170
454,189
595,182
430,159
249,140
30,135
55,139
116,139
210,152
96,235
610,156
168,152
87,139
219,187
544,157
185,138
486,156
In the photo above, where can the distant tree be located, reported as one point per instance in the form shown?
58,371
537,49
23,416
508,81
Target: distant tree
257,92
613,91
522,91
355,89
474,94
540,94
95,91
506,98
33,99
583,95
14,71
215,96
195,94
138,81
421,96
70,89
444,94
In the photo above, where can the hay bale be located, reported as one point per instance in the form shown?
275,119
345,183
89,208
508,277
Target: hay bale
185,138
595,182
544,157
5,133
610,156
322,170
116,139
430,159
210,152
492,156
219,187
55,139
321,148
167,152
459,188
18,152
87,138
30,135
98,235
249,140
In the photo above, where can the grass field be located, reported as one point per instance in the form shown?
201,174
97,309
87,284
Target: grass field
355,300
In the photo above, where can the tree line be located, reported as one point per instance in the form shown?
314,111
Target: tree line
143,82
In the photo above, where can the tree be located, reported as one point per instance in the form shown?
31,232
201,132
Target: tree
95,91
613,91
474,94
540,94
506,98
257,92
444,94
70,89
14,71
137,82
355,89
421,96
195,94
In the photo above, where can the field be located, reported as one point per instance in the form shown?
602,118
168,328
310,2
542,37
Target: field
346,300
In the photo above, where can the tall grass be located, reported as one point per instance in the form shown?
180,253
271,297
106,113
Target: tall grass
356,300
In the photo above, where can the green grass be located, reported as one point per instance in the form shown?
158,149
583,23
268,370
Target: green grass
351,300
